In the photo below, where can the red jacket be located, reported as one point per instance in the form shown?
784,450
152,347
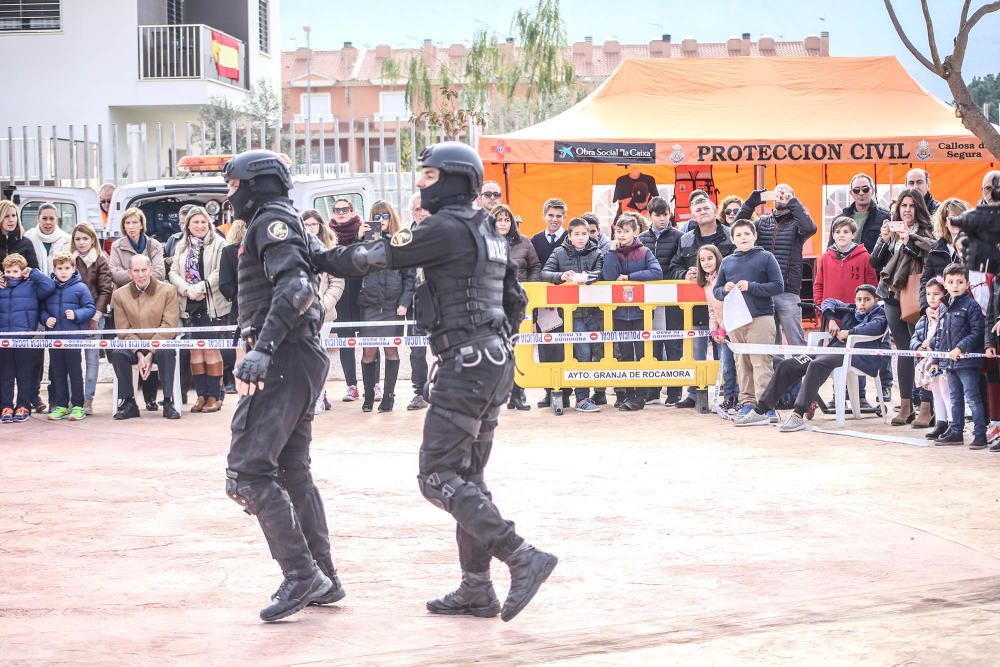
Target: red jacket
837,279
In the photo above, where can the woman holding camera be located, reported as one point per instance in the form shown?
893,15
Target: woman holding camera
384,297
901,250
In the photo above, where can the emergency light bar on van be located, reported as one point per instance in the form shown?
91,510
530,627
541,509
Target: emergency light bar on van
212,163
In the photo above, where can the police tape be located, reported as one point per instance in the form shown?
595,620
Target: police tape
761,348
231,328
78,343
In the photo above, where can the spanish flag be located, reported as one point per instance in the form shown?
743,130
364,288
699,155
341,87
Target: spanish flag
226,51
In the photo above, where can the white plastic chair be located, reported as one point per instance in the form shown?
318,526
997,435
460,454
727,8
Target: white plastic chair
845,378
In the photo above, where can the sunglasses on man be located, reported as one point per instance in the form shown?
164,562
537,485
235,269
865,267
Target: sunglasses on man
863,190
105,201
492,195
340,210
376,217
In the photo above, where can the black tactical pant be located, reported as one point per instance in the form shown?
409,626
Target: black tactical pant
466,395
269,463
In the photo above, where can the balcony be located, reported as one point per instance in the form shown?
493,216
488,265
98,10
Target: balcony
172,52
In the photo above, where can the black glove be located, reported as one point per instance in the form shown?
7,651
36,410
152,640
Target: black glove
253,368
755,197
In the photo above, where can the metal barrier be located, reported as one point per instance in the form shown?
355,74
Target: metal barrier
609,371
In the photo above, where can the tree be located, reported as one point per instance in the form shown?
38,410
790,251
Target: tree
261,105
950,67
986,90
518,80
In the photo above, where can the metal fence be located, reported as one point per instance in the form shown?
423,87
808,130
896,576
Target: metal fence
88,155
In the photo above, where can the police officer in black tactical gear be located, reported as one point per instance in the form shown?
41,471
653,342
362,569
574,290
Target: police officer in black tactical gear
469,303
279,380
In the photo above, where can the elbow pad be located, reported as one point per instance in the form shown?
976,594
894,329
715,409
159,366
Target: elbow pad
369,257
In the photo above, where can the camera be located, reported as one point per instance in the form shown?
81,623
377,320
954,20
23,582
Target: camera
981,229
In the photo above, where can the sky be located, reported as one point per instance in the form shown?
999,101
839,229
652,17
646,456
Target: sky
857,27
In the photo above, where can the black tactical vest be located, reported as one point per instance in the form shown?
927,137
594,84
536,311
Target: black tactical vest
254,290
465,306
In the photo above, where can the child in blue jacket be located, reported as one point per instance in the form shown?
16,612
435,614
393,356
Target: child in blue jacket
69,308
630,260
866,318
961,330
22,290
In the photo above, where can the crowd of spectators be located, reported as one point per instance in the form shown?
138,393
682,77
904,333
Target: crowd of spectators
895,277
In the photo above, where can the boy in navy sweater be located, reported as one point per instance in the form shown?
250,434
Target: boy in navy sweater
961,330
755,272
69,308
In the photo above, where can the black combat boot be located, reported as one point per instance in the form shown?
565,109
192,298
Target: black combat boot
529,567
336,592
295,592
474,596
547,401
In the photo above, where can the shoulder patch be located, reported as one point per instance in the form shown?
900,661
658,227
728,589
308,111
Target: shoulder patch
401,238
278,230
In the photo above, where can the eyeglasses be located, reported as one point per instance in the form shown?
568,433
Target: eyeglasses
105,201
731,211
492,195
340,210
863,190
381,216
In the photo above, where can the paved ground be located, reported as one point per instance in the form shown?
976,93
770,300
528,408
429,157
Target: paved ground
682,541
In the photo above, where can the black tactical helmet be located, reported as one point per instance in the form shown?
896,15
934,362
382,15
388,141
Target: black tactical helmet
452,157
251,164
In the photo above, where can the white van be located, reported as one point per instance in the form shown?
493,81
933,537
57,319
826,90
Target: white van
75,205
161,199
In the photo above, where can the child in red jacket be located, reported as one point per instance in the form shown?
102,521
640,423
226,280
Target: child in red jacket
843,266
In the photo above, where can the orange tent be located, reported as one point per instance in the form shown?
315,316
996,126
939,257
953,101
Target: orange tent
732,124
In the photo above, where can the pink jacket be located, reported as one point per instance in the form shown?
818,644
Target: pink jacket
714,305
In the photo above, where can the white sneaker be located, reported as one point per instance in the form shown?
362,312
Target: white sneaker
352,393
587,405
318,407
793,423
378,392
752,418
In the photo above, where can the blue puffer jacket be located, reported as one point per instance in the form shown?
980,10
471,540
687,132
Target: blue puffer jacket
961,324
872,323
639,264
70,295
20,301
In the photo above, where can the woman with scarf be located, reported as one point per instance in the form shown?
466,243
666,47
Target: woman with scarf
632,261
523,254
901,250
347,226
195,274
95,273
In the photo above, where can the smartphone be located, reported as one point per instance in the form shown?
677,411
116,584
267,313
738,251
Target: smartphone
896,225
770,195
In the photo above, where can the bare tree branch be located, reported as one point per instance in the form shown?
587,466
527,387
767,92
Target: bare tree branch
962,38
931,41
921,58
965,13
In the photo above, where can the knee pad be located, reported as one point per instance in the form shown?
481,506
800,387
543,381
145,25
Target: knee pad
252,493
441,487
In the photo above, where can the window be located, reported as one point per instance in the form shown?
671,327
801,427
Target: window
392,106
30,15
66,210
264,25
318,110
175,12
324,204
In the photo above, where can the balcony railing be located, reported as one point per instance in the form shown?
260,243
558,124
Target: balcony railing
191,52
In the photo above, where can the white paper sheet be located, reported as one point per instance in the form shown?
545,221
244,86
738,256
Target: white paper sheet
735,313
